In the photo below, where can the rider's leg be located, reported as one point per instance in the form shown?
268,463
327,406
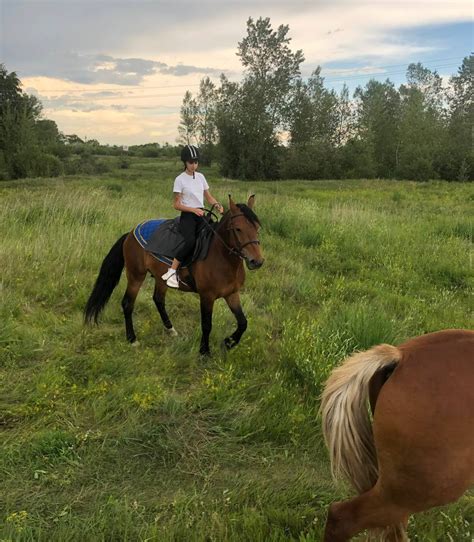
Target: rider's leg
188,227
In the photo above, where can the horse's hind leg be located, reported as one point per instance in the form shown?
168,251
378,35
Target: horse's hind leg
135,280
371,510
233,301
159,299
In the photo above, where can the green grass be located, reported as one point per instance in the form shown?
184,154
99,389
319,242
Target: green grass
104,441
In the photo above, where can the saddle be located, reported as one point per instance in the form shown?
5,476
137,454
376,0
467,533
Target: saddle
163,239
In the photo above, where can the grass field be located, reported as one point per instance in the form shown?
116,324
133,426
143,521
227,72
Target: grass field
103,441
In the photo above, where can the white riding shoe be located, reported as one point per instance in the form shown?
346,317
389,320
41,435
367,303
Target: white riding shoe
171,278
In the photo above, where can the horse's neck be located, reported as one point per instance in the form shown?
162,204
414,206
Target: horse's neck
221,245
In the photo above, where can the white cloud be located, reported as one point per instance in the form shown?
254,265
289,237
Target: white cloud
152,48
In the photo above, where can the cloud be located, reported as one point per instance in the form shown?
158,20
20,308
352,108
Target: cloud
132,54
91,69
77,103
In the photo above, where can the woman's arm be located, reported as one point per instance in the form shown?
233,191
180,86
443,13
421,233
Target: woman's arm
212,200
180,207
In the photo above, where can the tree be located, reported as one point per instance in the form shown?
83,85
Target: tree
206,119
73,139
251,116
344,115
188,125
47,132
11,94
26,140
314,122
377,124
270,65
421,125
458,155
198,119
17,138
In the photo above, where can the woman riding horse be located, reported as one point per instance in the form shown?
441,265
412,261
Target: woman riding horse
220,274
190,188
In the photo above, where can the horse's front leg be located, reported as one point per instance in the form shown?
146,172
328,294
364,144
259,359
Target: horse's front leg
207,304
233,301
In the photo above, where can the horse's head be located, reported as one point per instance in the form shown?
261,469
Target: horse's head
244,225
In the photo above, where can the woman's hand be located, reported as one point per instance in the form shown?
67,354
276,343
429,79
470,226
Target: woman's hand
198,212
220,208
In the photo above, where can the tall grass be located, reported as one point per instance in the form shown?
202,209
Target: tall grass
102,441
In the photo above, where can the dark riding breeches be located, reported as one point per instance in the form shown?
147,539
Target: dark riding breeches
188,224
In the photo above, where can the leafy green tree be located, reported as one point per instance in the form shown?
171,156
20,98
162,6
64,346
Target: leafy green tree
300,115
344,118
26,140
17,137
206,119
251,116
47,132
188,126
422,124
319,124
458,153
377,124
74,139
270,66
11,94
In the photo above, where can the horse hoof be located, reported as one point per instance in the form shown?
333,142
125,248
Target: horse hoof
135,343
171,332
229,343
205,353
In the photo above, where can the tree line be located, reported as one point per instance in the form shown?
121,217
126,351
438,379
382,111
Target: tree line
276,124
33,146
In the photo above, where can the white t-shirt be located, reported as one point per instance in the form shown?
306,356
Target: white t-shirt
191,190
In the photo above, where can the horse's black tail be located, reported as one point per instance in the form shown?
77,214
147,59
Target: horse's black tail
109,276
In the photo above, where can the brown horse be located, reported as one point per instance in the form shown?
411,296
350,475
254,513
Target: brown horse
419,450
221,274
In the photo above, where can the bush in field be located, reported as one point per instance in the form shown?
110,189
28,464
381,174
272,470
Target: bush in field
49,165
124,162
31,162
86,164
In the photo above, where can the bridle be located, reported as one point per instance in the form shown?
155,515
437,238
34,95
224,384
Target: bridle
240,246
232,250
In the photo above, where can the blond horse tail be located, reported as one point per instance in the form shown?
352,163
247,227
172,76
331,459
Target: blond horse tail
347,426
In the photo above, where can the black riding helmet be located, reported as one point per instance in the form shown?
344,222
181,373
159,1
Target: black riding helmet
189,152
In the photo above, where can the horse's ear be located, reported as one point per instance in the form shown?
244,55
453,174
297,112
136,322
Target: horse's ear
251,201
232,206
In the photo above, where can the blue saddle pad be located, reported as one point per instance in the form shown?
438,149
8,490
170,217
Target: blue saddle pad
145,230
163,239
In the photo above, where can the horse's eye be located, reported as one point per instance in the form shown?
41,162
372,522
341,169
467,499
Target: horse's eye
239,230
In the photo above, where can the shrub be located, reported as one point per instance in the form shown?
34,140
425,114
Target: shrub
124,162
86,164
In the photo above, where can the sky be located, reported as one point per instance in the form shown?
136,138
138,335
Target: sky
117,70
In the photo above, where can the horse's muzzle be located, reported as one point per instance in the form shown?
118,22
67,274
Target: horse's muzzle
254,264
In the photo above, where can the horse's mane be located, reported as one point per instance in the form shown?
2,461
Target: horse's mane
248,213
